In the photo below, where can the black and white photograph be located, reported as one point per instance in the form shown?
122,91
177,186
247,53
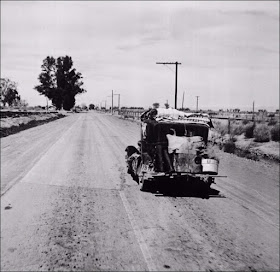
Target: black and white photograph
139,135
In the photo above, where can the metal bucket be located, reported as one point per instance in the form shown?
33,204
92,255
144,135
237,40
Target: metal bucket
209,166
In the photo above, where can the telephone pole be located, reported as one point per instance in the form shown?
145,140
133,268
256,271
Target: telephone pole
112,101
183,100
253,111
197,103
112,96
176,72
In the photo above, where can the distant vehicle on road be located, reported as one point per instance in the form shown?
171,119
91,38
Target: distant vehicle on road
77,109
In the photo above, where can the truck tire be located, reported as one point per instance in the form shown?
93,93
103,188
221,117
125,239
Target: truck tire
143,184
147,185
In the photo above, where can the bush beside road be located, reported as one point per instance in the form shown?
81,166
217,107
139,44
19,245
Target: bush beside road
15,121
252,141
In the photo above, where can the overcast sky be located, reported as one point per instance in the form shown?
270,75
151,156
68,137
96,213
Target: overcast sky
229,50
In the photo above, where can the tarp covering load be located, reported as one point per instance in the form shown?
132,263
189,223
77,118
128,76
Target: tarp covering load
184,144
161,114
157,123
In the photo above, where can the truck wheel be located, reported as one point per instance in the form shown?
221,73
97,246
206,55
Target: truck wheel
145,185
206,190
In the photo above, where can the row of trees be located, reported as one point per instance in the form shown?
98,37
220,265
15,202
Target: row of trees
60,82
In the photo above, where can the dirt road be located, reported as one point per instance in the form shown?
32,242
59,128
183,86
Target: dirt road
68,204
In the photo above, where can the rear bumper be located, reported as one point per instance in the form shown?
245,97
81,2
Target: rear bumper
176,174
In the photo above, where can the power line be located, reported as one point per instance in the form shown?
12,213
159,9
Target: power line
169,68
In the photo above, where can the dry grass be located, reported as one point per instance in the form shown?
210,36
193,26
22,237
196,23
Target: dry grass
246,139
275,133
262,133
14,125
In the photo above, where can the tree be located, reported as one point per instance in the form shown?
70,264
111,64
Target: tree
91,106
60,82
21,103
156,105
68,102
9,94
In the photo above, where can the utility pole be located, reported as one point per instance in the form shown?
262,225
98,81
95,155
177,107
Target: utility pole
112,101
183,100
176,73
197,103
112,96
47,104
253,110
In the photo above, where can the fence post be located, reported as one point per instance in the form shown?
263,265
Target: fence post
229,125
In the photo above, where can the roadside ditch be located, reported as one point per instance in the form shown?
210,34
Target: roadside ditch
16,123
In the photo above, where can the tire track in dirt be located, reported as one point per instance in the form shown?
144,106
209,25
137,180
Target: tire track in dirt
115,148
227,248
118,145
83,224
35,159
260,207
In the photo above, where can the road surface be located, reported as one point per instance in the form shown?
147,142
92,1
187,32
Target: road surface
68,204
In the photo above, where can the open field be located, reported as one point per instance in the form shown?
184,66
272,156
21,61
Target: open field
235,133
